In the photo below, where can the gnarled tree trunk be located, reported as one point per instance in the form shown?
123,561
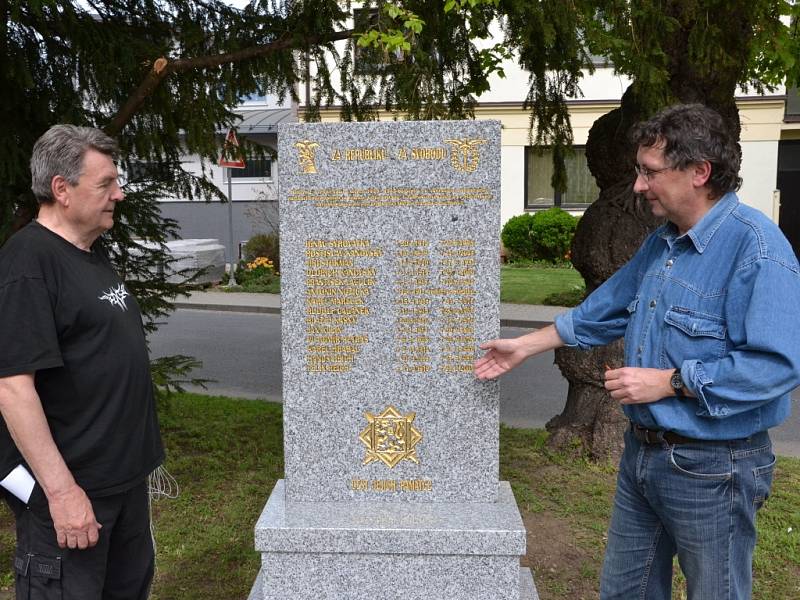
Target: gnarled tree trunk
614,226
608,234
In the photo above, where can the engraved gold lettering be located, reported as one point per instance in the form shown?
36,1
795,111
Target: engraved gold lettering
429,153
416,485
365,154
359,485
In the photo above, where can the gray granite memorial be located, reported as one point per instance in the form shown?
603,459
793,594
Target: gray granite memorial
390,279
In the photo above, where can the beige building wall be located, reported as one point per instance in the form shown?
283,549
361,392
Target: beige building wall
762,128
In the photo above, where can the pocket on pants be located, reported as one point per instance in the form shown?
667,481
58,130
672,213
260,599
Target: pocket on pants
701,461
763,477
37,577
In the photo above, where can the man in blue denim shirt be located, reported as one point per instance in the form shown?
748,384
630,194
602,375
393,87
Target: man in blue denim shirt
708,309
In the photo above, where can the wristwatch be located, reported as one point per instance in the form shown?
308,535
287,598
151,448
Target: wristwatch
676,381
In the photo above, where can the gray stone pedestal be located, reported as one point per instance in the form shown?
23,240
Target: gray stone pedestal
389,283
391,551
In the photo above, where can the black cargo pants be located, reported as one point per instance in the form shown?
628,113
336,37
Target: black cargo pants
119,567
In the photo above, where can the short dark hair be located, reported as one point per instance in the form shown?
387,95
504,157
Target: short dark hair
60,151
693,133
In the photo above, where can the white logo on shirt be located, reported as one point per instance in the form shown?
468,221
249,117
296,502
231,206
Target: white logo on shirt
116,296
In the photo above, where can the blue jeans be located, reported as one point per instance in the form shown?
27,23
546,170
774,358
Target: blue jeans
696,500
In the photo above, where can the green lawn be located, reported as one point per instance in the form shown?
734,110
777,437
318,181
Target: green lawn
226,454
520,285
539,285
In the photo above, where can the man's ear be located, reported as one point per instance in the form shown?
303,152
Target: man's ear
701,173
59,188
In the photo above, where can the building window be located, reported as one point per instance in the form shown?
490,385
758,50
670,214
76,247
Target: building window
581,187
141,171
792,106
256,168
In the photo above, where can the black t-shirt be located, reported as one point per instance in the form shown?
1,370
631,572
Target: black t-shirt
66,316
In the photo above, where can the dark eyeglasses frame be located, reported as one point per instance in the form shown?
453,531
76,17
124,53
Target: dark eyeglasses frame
647,174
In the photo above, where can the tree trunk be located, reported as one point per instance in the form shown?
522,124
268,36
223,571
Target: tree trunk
608,234
614,226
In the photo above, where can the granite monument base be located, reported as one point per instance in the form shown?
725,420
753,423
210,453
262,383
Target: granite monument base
365,550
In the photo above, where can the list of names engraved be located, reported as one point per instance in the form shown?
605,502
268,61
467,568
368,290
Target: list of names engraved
340,275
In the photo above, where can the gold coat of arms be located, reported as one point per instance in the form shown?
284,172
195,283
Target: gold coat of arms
306,151
390,437
465,156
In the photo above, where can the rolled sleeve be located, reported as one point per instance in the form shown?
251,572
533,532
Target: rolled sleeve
566,329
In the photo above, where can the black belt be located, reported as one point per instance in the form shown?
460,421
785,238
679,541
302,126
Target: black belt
656,436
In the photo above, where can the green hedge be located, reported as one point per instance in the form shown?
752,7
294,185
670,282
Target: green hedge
545,235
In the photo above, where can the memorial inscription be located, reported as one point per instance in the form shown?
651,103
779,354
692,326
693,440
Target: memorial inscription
389,280
389,268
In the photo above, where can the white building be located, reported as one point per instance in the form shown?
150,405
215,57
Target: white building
770,141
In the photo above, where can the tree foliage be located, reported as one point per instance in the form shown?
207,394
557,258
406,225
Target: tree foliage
164,77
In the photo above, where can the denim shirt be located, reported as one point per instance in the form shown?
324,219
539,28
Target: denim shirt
722,303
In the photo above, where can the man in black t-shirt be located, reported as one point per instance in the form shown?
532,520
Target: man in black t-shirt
76,393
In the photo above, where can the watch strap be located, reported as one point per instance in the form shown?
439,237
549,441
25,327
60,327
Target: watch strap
676,381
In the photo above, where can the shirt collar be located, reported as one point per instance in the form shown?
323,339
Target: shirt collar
701,234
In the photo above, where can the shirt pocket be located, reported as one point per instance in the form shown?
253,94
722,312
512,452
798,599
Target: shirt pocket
692,334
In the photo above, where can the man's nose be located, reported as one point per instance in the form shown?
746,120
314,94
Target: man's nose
639,184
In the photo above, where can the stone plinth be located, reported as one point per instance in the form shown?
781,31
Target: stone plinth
367,550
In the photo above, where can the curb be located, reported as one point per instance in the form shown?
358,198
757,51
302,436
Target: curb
229,307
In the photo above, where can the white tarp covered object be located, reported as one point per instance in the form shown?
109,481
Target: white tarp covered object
189,256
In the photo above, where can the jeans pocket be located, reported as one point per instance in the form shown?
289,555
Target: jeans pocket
37,577
701,461
763,479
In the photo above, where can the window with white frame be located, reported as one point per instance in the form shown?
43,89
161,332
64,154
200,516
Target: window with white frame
581,187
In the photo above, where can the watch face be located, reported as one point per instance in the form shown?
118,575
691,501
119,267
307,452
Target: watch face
676,381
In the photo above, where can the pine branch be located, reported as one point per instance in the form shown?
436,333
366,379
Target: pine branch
163,68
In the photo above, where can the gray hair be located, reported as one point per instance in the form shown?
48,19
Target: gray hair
694,133
60,151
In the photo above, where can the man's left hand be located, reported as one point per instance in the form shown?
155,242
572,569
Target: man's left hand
635,385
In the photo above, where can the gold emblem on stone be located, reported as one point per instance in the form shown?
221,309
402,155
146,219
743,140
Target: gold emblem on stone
306,150
390,437
465,156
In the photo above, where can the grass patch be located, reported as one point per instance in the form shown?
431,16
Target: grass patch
273,287
541,285
227,454
524,283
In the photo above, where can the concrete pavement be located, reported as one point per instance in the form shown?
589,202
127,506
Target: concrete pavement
511,315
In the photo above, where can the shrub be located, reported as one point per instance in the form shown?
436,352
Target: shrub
517,236
553,230
545,235
260,271
263,245
570,297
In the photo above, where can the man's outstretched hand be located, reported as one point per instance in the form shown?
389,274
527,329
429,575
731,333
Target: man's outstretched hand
501,356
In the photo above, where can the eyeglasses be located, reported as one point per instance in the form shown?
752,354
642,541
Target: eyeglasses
647,174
